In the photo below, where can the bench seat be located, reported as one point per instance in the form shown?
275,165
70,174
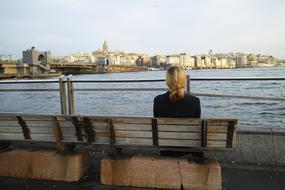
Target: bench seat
118,131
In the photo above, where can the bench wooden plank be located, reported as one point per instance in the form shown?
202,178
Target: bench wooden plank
8,123
162,135
179,128
37,123
194,136
11,136
120,133
37,118
10,129
37,130
128,131
180,121
130,120
221,122
119,126
191,143
44,117
7,118
180,143
51,137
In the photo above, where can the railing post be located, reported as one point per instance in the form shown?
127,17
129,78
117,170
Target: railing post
70,93
62,91
188,84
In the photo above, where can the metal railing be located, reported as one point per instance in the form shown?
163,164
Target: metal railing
67,90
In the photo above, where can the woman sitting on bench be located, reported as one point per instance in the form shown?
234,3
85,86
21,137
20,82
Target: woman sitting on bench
175,103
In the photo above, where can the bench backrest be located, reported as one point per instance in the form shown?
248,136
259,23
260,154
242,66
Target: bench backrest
129,131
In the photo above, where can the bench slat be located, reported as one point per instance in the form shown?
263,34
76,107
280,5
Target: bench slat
14,123
7,118
182,143
43,118
11,136
181,121
14,129
130,120
182,132
43,123
179,128
220,122
120,126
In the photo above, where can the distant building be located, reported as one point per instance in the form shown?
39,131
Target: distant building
187,61
241,61
157,60
15,69
102,60
33,56
231,63
252,60
210,60
105,48
198,61
173,60
38,61
215,62
223,63
206,62
183,60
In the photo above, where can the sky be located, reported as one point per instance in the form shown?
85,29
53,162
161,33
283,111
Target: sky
143,26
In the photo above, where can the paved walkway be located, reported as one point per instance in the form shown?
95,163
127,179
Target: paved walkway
234,178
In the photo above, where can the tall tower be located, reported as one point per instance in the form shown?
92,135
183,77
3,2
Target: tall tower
211,53
105,48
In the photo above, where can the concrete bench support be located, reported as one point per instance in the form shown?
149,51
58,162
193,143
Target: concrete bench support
43,164
160,172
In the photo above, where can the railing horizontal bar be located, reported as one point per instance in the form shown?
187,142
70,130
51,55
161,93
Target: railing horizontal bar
147,89
27,81
195,94
28,90
191,79
144,80
118,81
239,97
237,78
120,89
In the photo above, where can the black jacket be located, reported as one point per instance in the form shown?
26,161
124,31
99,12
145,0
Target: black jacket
187,107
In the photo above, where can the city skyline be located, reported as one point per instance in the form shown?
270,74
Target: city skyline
151,27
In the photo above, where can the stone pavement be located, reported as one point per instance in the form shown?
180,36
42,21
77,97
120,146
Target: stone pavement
234,178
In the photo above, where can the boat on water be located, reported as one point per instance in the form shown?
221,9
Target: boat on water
153,69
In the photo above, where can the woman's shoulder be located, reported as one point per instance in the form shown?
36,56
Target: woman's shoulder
162,96
187,96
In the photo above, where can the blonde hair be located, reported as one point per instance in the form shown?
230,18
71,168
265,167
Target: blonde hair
176,82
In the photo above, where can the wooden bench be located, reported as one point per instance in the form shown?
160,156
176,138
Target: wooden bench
194,135
118,132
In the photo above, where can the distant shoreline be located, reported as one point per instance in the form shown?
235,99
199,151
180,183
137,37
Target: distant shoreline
53,75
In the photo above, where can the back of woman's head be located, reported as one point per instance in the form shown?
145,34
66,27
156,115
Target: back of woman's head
176,81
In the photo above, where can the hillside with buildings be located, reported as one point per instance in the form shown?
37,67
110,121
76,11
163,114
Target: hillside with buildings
210,60
36,63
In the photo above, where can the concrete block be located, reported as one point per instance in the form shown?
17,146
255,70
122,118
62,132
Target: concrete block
249,149
279,148
44,164
141,171
201,176
254,149
160,172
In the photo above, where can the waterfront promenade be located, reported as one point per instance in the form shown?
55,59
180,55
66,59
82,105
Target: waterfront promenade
234,177
97,99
